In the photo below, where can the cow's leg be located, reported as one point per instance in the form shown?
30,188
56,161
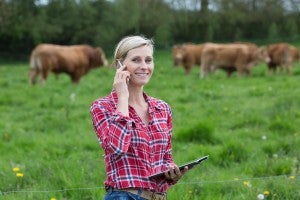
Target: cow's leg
273,70
229,71
247,69
281,69
247,72
270,68
75,78
44,76
212,68
289,69
240,71
203,71
188,69
33,73
229,74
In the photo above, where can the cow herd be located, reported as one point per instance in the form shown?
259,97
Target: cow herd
78,60
237,56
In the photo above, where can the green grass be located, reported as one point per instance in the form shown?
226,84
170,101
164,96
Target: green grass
250,127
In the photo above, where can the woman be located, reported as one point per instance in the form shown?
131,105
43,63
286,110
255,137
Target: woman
135,129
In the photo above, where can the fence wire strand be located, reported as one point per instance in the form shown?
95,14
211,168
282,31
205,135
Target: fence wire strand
180,183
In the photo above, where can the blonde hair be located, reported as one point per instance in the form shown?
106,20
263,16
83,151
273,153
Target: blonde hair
128,43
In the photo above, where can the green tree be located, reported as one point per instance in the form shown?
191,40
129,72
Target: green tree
26,23
163,35
273,32
17,31
291,28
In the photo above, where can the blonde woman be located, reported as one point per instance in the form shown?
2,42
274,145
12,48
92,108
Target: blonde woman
135,129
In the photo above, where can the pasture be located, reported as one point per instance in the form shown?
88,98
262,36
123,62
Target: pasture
249,126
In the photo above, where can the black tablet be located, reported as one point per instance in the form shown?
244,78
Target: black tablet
181,167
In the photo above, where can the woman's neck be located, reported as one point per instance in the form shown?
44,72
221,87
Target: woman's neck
136,96
138,102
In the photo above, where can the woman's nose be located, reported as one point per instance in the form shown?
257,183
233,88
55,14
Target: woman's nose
144,64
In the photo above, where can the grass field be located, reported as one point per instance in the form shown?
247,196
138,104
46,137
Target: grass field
249,126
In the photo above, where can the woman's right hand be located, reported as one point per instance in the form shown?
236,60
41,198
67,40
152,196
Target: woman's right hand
121,82
120,85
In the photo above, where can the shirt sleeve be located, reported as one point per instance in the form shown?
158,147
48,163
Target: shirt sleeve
112,128
168,155
168,159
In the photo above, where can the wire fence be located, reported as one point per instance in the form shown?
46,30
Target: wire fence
294,177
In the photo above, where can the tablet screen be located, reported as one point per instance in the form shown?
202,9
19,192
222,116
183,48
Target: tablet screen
190,165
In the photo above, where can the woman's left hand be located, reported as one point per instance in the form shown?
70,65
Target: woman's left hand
175,174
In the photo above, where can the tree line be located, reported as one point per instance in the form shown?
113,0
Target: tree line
26,23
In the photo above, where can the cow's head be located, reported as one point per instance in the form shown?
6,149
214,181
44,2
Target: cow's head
263,55
99,58
178,53
295,54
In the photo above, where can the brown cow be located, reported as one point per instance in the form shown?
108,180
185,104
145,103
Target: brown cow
230,57
282,55
187,55
75,60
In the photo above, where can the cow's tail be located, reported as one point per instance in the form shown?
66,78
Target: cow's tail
35,69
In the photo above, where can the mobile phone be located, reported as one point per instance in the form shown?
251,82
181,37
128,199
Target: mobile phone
190,165
119,64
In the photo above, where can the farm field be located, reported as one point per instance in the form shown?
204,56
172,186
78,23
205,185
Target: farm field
249,127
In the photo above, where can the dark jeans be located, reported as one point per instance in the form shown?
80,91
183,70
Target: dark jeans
121,195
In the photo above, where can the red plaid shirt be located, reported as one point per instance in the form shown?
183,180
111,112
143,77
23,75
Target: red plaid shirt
134,151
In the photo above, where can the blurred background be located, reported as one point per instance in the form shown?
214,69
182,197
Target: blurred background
26,23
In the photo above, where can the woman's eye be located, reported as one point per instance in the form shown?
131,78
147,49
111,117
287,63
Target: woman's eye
148,60
135,60
138,60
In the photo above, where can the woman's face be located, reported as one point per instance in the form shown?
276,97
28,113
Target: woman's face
139,62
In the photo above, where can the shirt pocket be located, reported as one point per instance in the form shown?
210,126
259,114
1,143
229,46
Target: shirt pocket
161,127
159,137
